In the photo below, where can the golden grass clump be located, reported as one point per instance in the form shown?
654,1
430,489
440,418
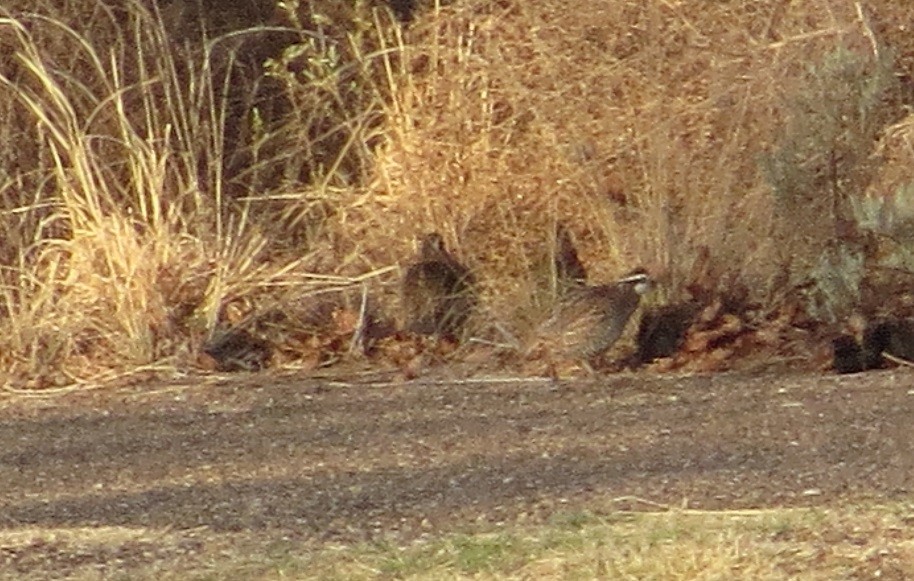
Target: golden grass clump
116,250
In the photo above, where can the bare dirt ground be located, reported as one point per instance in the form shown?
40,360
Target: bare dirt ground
321,460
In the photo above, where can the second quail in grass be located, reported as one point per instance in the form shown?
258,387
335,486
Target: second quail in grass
239,350
892,337
569,270
847,355
438,293
590,319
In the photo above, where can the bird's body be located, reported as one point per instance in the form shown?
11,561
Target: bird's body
590,319
847,355
437,291
239,350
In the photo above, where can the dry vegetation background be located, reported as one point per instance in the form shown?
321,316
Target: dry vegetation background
170,170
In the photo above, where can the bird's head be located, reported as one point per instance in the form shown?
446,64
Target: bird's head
431,245
639,280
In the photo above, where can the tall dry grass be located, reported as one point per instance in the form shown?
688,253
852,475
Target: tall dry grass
121,245
148,186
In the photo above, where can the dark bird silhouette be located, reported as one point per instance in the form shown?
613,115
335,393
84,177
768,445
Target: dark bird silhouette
569,270
238,350
662,330
847,355
590,319
894,337
438,292
881,338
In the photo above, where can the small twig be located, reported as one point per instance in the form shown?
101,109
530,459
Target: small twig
485,380
78,384
898,360
868,32
349,281
487,343
513,341
358,335
668,509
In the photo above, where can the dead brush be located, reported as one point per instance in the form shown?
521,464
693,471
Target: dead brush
638,125
129,257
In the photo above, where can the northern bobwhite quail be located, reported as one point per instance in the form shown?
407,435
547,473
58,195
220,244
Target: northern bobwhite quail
894,337
438,293
569,270
847,355
557,270
239,350
590,319
662,330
